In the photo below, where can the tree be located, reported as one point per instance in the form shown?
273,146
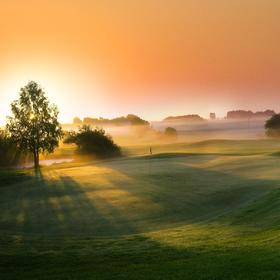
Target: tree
170,132
33,125
135,120
93,142
212,116
272,126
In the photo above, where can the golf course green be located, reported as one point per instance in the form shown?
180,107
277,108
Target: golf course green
205,210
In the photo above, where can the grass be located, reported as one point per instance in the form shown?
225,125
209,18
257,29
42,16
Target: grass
208,210
227,147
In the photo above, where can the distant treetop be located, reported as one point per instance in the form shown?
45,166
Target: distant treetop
130,119
242,114
170,132
212,116
188,118
272,126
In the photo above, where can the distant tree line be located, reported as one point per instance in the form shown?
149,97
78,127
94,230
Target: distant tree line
130,119
235,114
242,114
187,118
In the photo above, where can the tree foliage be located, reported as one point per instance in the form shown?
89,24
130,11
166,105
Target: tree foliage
170,132
242,114
34,126
272,126
9,153
93,142
130,119
185,118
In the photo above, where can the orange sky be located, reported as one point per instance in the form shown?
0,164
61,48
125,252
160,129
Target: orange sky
151,57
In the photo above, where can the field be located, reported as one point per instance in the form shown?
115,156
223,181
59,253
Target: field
205,210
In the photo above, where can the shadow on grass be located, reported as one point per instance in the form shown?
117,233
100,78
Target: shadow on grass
11,177
190,194
50,226
129,200
141,258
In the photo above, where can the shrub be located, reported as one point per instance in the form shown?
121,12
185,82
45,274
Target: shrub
10,155
272,126
93,142
170,132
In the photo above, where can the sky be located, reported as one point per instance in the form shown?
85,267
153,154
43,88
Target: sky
154,58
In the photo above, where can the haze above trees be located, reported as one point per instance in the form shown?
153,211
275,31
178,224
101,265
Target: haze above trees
134,120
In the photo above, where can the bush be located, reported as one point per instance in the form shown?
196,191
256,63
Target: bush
272,126
93,142
10,155
170,132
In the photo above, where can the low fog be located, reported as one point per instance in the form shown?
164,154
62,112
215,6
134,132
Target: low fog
154,133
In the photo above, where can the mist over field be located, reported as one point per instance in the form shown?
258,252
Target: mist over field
209,129
217,129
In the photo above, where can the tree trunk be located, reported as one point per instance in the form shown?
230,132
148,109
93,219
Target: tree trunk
36,150
38,163
36,159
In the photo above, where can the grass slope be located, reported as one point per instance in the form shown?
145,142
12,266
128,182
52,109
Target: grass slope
169,216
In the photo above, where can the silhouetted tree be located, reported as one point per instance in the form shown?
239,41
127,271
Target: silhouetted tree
241,114
135,120
93,142
170,132
130,119
33,126
212,116
272,126
185,118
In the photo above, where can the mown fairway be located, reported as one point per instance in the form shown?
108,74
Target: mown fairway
207,210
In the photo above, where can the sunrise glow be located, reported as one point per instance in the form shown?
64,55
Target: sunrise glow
111,58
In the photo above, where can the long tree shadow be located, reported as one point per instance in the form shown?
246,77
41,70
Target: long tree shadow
59,214
68,210
58,206
128,201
